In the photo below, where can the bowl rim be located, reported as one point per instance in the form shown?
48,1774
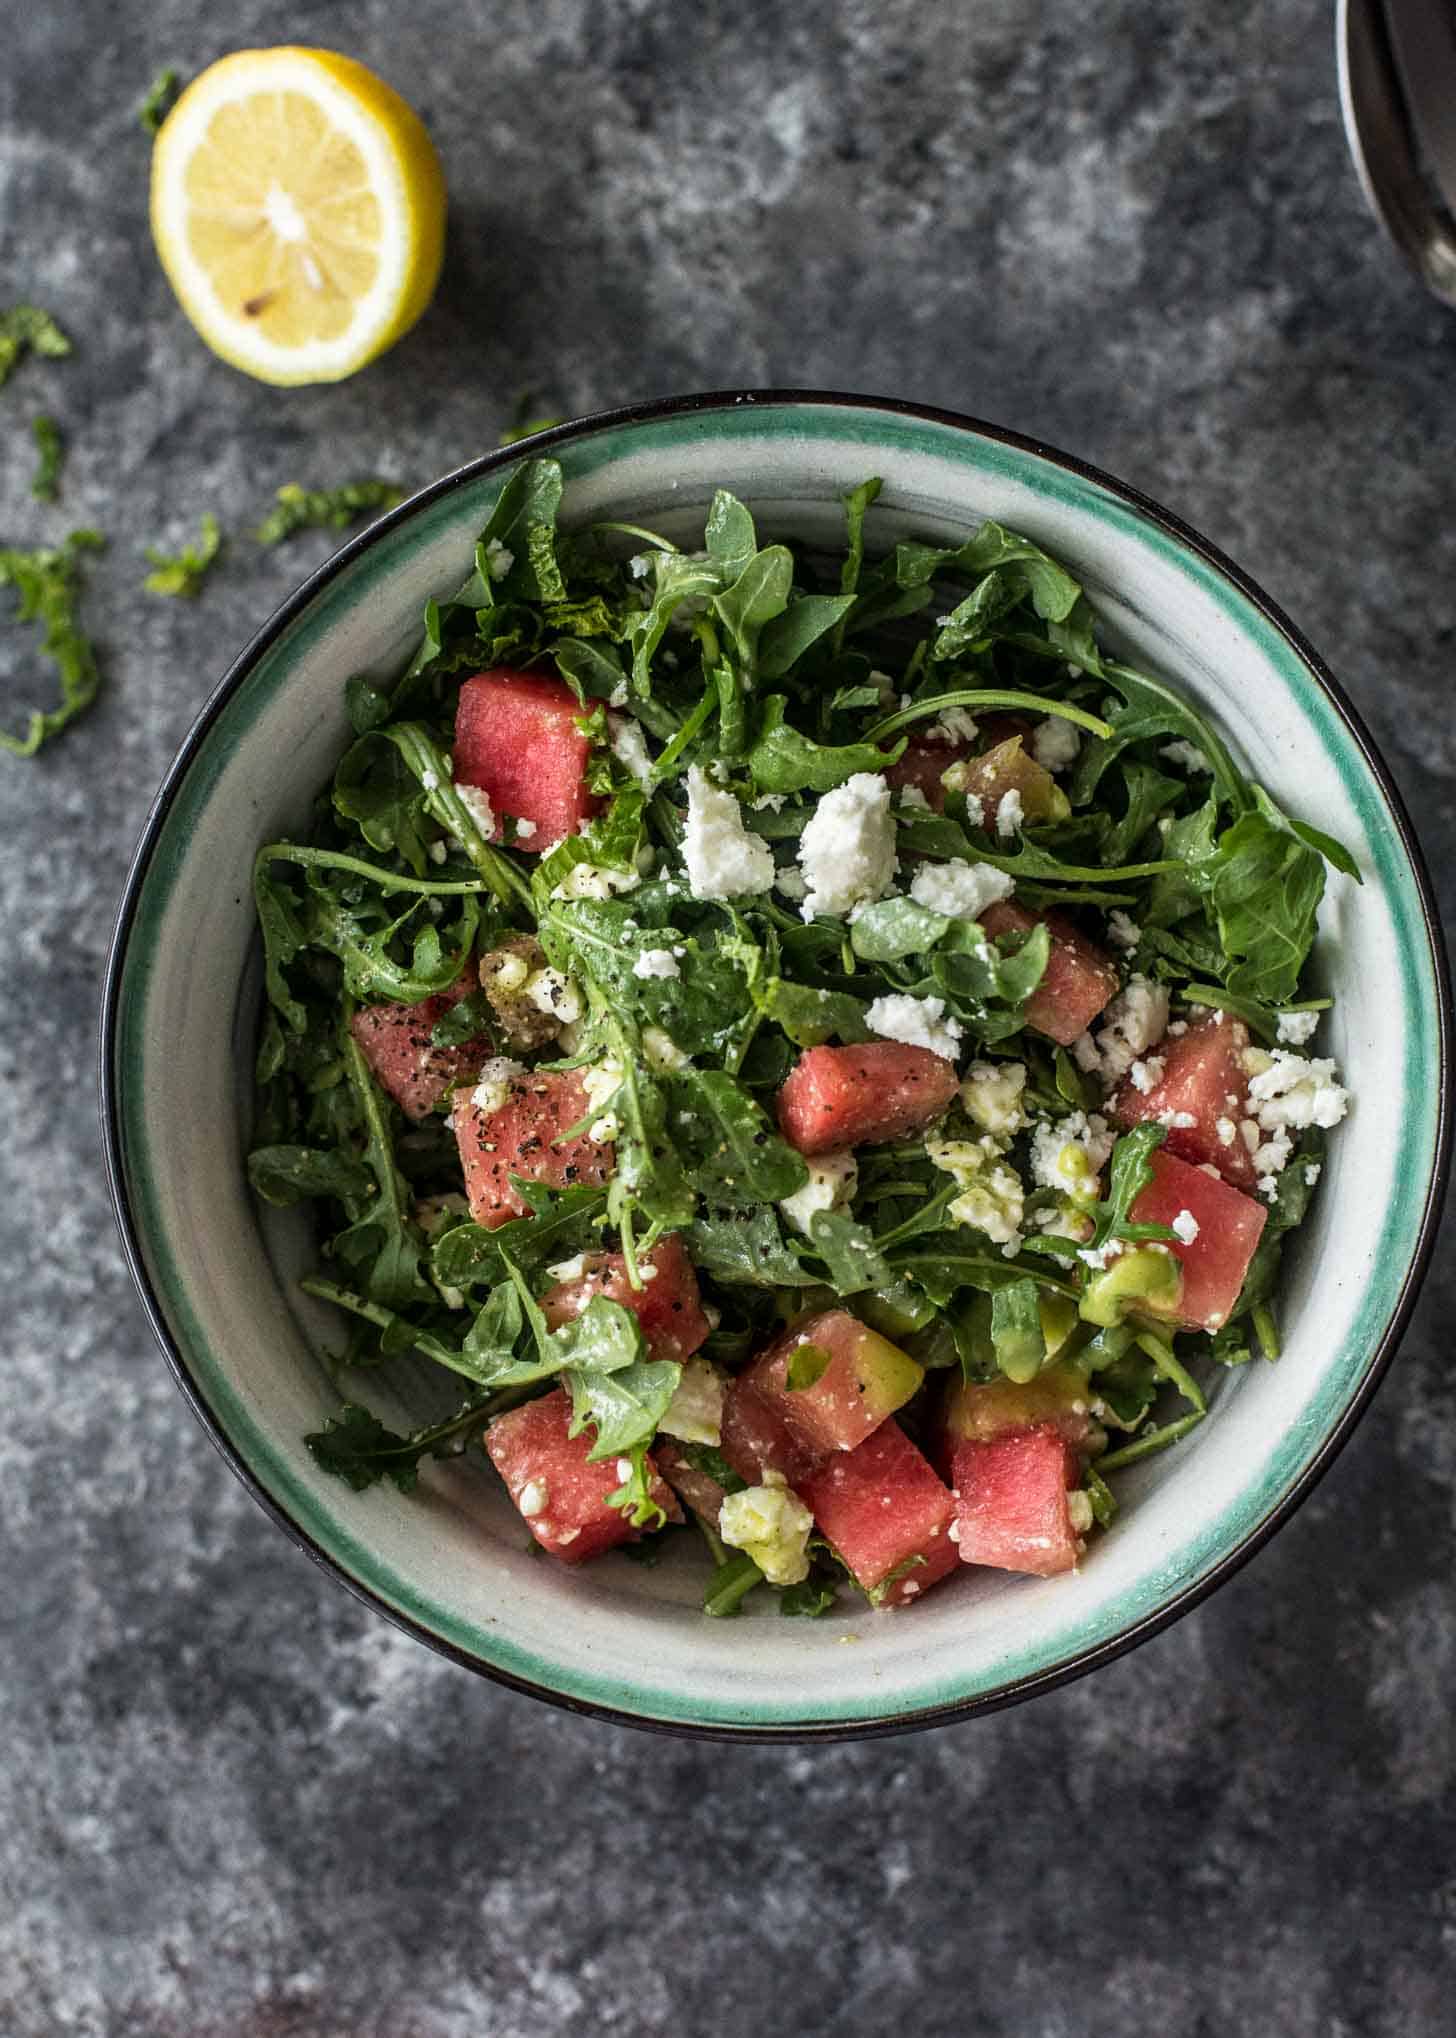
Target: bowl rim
1014,1690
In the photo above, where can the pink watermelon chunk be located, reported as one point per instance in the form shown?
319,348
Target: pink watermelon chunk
1203,1079
516,738
395,1041
860,1096
885,1511
1011,1501
865,1380
668,1305
562,1498
974,1411
521,1139
1080,978
921,765
756,1439
1229,1227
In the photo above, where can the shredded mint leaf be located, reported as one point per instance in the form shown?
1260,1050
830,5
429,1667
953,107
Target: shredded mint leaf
160,98
49,583
315,509
25,328
184,572
50,450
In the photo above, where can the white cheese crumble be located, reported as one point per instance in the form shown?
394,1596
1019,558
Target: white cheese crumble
1079,1512
1294,1092
1227,1131
1183,1121
430,780
991,1195
554,994
629,747
602,1080
569,1270
438,851
1097,1256
912,799
532,1498
1311,1174
772,803
695,1412
792,883
833,1179
1009,816
499,559
1123,932
1187,754
656,962
1136,1020
1146,1075
1055,743
959,889
1070,1154
773,1526
847,850
477,805
1185,1227
918,1022
1298,1027
592,881
723,860
664,1056
953,725
493,1085
991,1093
524,829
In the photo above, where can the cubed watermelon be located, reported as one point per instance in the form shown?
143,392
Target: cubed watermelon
1203,1079
1216,1260
921,765
1011,1501
1007,768
850,1380
756,1438
1080,978
976,1410
524,1138
667,1305
696,1488
516,737
860,1096
886,1514
562,1498
395,1041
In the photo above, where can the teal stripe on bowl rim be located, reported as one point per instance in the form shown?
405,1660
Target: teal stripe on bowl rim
1408,1226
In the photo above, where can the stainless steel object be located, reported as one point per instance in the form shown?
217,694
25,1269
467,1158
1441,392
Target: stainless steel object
1398,95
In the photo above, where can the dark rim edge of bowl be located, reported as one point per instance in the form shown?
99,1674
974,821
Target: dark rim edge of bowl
1016,1690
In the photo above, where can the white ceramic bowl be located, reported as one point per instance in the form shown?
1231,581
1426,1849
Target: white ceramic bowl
450,1561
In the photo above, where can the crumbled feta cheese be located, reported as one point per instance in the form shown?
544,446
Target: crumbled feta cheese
493,1085
723,860
959,889
640,565
991,1093
601,1080
629,747
592,881
477,805
663,1054
1086,1055
991,1194
1146,1075
953,725
1311,1174
430,780
1177,1028
1055,743
792,883
1185,1227
1183,1121
1135,1021
1097,1256
1249,1133
1187,754
1009,816
1295,1092
1298,1027
772,803
1079,1512
772,1525
617,698
912,800
919,1022
833,1179
569,1270
1122,932
1070,1154
656,962
524,829
1227,1131
847,850
695,1412
499,559
554,994
438,851
532,1498
975,810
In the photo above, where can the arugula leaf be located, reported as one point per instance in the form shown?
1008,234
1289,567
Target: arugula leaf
1128,1175
50,450
26,328
745,1249
356,1447
849,1253
561,1223
48,583
183,573
735,1155
811,1017
760,593
624,1404
523,523
384,1247
1264,885
892,929
1151,709
286,1175
161,97
316,509
812,1596
784,761
729,537
786,637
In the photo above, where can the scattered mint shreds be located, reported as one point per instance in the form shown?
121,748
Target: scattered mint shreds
25,328
50,451
160,98
48,585
761,673
183,573
316,509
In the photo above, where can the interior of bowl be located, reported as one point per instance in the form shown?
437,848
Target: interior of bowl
452,1558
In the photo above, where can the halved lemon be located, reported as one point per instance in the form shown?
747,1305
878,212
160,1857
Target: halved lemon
298,207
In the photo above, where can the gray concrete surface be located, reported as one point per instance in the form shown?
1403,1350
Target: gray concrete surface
232,1803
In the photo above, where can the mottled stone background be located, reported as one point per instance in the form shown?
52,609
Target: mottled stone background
231,1801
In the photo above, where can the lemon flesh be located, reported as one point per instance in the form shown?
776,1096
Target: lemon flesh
298,208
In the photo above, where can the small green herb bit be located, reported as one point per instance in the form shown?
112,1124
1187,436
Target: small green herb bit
26,327
160,99
183,573
50,450
48,583
319,509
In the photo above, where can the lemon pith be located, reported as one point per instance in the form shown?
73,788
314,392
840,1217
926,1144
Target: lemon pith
298,208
